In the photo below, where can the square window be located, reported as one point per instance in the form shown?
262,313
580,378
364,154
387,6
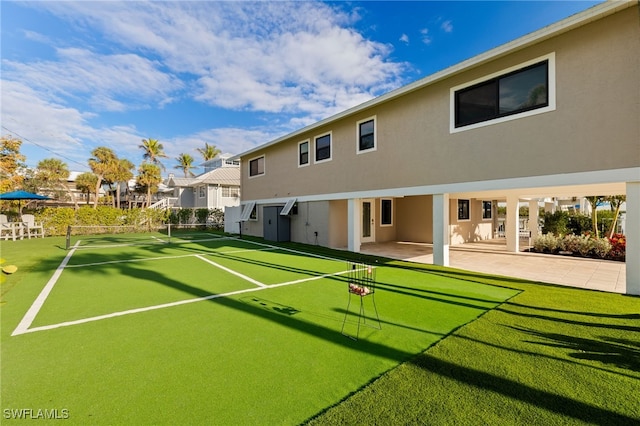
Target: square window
256,167
323,148
487,210
386,212
463,210
366,135
303,153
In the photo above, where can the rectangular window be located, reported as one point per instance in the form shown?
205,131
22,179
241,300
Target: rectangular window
230,191
463,210
254,213
201,191
303,153
486,210
386,212
256,167
323,148
367,135
517,92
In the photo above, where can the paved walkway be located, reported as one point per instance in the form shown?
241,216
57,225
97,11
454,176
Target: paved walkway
492,257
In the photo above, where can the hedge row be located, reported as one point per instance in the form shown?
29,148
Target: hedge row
56,220
583,245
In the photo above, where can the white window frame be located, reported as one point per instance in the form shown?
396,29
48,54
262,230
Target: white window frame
202,191
373,118
308,142
264,167
551,58
315,152
382,224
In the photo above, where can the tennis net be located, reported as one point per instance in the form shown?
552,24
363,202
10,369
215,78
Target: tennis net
96,236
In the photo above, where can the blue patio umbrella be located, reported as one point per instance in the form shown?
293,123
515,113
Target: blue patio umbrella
21,195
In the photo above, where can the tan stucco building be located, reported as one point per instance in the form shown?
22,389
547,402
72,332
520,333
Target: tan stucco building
555,113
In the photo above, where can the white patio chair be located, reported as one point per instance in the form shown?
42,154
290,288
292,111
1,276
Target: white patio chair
9,230
32,228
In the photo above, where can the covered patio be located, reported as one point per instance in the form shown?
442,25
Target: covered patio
492,257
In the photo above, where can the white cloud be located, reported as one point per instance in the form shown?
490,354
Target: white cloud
447,26
426,38
259,56
108,82
297,62
404,38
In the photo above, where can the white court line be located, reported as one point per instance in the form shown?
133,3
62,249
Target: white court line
28,318
145,259
165,305
237,274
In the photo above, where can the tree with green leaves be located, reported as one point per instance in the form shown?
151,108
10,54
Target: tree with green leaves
149,177
53,173
616,202
595,201
86,184
121,173
209,152
185,163
153,151
102,164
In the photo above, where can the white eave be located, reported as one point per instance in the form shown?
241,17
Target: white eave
579,19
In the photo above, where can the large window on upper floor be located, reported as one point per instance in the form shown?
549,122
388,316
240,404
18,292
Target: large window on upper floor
366,135
323,148
256,167
519,91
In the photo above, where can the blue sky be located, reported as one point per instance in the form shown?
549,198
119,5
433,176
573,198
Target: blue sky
82,74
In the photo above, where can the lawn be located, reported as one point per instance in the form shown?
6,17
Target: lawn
175,334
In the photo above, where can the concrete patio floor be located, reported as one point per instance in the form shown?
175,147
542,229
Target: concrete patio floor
491,257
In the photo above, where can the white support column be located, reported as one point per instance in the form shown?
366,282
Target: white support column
512,225
533,218
441,229
632,232
354,224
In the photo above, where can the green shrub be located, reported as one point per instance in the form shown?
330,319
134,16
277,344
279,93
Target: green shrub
579,223
601,247
547,243
556,223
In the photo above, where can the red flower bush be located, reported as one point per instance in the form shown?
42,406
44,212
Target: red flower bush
618,245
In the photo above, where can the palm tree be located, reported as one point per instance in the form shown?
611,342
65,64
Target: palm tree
121,173
616,201
209,152
86,183
54,174
185,164
153,151
149,176
102,163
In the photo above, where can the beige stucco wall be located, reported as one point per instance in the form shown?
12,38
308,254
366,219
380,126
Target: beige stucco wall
474,229
414,219
338,222
598,105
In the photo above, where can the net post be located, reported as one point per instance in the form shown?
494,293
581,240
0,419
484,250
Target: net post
169,231
68,240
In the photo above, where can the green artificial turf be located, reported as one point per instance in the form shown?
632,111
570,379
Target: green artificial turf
548,355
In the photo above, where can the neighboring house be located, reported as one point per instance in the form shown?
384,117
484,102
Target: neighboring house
218,187
552,114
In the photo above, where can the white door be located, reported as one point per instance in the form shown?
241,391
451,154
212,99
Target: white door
368,224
